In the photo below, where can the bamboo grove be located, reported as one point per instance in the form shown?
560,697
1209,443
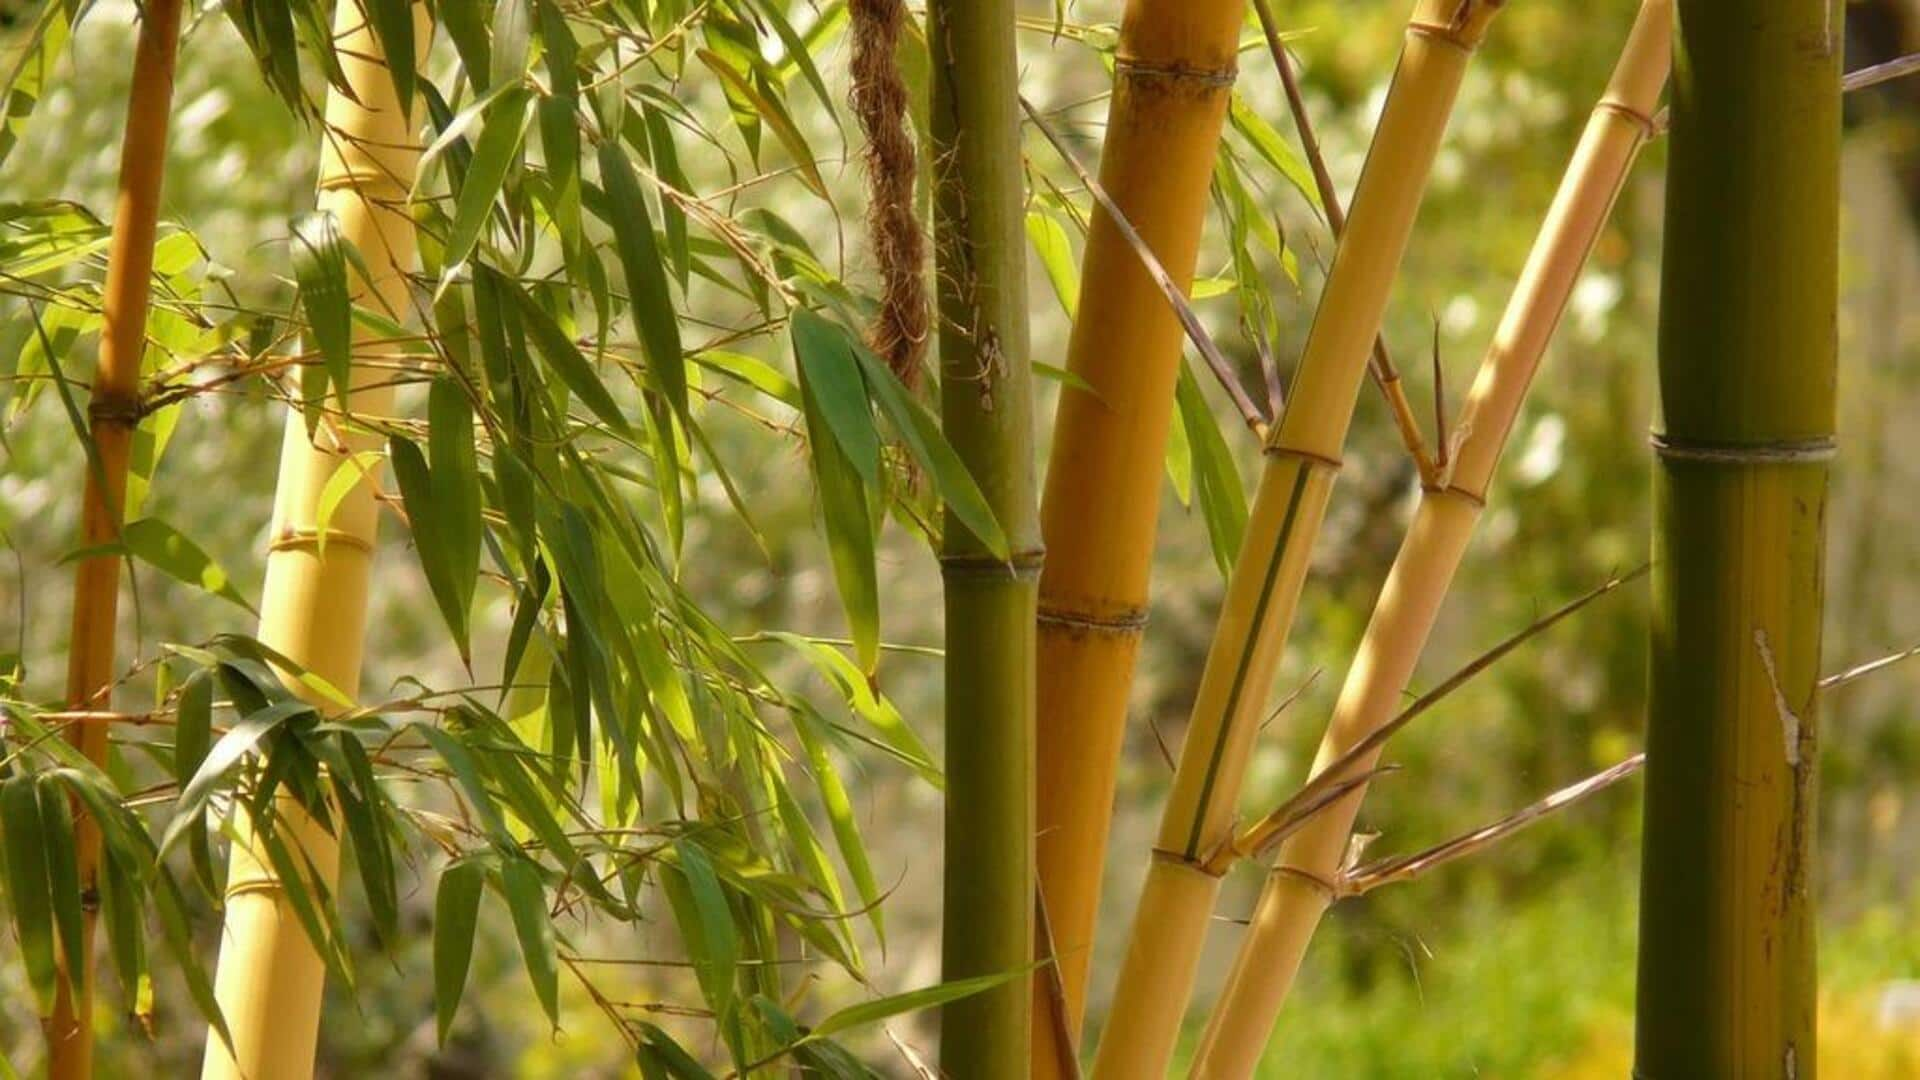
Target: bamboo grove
579,287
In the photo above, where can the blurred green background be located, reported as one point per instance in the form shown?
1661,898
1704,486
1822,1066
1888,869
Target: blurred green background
1516,963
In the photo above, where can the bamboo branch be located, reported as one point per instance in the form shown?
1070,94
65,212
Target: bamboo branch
1380,363
1222,369
1366,878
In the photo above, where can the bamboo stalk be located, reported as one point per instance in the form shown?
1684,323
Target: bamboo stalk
113,414
987,411
1303,453
1748,302
1171,87
313,606
1304,883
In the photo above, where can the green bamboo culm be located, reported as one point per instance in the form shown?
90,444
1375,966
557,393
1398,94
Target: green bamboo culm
987,409
1747,368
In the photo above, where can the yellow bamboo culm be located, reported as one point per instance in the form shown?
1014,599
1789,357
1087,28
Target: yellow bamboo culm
1309,863
313,608
113,413
1303,454
1172,81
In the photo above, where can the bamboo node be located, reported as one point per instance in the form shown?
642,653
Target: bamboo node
1128,67
1819,448
1648,126
1311,458
1455,490
1130,621
1332,889
1196,864
1019,566
298,539
114,407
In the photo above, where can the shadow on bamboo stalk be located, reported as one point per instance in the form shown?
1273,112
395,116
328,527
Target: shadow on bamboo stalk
1310,860
1303,454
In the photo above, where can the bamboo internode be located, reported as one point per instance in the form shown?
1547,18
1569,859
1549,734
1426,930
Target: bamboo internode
313,606
986,409
114,412
1303,455
1172,83
1748,307
1301,888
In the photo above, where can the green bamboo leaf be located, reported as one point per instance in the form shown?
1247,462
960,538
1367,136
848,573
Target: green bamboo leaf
512,41
393,27
876,710
178,936
840,816
927,997
362,804
1055,250
646,275
501,137
706,923
456,484
526,899
559,125
796,52
466,25
921,433
661,1056
774,114
122,910
1273,147
63,879
27,883
239,740
159,545
1217,486
456,916
573,368
437,561
347,475
27,83
466,772
830,372
849,530
320,268
192,726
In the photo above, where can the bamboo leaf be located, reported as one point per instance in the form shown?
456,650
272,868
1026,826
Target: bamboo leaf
456,487
225,754
512,41
452,592
573,369
320,268
159,545
361,803
526,899
646,275
927,997
774,114
706,923
27,883
830,371
921,433
849,529
456,916
392,22
1217,486
63,880
494,154
1055,250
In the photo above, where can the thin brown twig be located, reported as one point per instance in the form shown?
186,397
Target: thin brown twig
1399,868
1841,678
1380,362
1064,1042
1259,835
1879,73
1202,341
